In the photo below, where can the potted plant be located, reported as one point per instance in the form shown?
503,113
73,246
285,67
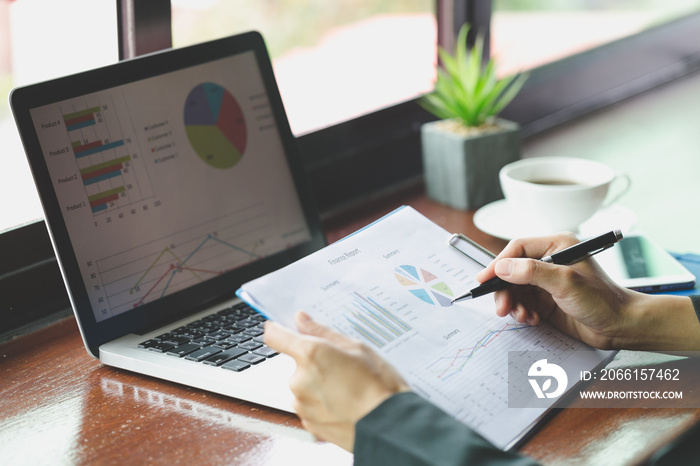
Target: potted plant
464,150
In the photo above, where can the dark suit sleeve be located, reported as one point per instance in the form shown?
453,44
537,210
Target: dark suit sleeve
696,304
408,430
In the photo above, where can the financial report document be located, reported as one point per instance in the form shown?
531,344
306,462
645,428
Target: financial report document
391,285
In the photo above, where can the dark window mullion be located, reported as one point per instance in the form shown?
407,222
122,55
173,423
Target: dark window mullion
143,27
452,14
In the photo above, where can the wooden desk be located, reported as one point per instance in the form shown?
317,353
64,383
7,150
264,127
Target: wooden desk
60,406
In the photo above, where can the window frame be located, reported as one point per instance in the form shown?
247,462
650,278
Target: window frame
355,161
143,27
567,89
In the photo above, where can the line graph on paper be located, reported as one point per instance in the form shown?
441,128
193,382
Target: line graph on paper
449,366
479,358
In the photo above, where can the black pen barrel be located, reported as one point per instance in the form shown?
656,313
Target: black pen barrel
577,251
489,286
566,256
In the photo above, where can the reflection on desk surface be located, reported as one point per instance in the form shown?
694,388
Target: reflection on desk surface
125,393
59,406
186,428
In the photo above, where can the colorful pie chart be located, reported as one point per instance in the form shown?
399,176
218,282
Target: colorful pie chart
215,125
424,285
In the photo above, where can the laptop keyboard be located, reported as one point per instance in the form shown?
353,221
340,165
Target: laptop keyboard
231,339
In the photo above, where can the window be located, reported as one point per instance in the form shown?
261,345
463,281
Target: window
334,61
31,49
349,72
527,34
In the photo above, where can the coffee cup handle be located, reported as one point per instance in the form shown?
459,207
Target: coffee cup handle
612,198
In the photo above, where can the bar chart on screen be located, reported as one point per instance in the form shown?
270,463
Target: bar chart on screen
109,165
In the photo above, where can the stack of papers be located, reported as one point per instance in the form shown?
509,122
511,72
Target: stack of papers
391,285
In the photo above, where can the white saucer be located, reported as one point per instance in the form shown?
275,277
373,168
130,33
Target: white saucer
497,219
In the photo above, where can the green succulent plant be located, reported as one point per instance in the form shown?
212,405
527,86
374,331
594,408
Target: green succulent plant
468,90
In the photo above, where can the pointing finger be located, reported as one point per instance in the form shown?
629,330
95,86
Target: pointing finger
282,339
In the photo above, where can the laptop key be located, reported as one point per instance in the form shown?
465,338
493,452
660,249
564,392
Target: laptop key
250,345
220,358
252,358
202,354
233,328
265,352
225,312
192,335
203,341
247,323
176,340
225,344
253,332
208,327
236,365
161,347
240,338
218,335
183,350
147,344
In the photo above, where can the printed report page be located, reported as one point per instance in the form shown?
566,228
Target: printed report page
391,285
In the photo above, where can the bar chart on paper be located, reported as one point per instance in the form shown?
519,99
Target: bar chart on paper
374,322
372,316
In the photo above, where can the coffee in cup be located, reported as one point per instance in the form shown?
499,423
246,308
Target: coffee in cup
560,193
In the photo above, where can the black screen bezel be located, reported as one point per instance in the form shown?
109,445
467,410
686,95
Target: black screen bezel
181,303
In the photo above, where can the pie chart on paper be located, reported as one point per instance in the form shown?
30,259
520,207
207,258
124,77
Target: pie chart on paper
215,125
424,285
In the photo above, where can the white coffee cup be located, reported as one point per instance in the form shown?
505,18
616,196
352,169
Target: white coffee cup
560,193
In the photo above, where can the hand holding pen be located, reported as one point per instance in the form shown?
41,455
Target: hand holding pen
568,256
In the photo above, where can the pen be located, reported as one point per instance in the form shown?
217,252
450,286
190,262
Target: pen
568,256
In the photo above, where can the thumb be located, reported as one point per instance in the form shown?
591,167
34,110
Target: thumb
529,272
308,326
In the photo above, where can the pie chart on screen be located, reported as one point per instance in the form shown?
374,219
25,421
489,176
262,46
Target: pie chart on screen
215,125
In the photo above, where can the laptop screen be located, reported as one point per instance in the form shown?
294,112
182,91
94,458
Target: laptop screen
169,181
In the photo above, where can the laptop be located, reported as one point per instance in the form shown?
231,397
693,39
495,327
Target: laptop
167,181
